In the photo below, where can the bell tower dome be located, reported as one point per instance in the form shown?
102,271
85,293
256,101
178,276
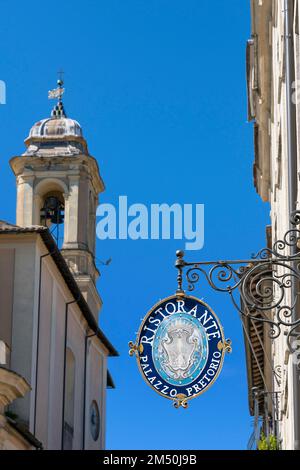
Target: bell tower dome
58,185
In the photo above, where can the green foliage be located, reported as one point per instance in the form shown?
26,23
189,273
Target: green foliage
269,443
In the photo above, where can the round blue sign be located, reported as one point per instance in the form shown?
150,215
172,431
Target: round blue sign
180,348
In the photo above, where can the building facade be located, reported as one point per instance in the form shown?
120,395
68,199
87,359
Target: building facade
49,303
273,74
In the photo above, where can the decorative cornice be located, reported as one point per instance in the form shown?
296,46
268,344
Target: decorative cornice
12,386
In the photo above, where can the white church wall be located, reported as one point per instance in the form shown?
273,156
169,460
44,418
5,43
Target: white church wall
76,342
42,399
55,295
96,390
24,306
7,268
56,367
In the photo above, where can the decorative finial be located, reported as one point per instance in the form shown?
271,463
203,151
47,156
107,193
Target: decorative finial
180,263
58,110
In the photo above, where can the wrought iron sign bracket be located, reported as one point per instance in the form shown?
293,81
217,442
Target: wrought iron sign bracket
265,288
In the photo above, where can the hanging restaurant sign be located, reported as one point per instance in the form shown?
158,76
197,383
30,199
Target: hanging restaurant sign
180,348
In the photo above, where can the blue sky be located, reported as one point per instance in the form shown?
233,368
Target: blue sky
159,88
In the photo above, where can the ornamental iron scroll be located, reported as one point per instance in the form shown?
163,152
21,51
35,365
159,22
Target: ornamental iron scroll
265,288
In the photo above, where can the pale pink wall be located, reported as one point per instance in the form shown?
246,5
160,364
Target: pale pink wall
76,340
96,391
56,368
52,371
42,399
24,310
7,266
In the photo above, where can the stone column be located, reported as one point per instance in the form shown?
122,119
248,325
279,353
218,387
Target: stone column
71,213
25,200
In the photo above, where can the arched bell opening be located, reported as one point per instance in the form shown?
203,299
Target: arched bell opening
49,206
53,208
52,214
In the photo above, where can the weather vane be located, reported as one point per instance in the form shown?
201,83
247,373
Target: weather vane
57,93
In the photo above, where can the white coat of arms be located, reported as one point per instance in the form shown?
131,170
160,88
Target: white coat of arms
180,349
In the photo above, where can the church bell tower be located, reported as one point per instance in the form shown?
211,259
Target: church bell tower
58,185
